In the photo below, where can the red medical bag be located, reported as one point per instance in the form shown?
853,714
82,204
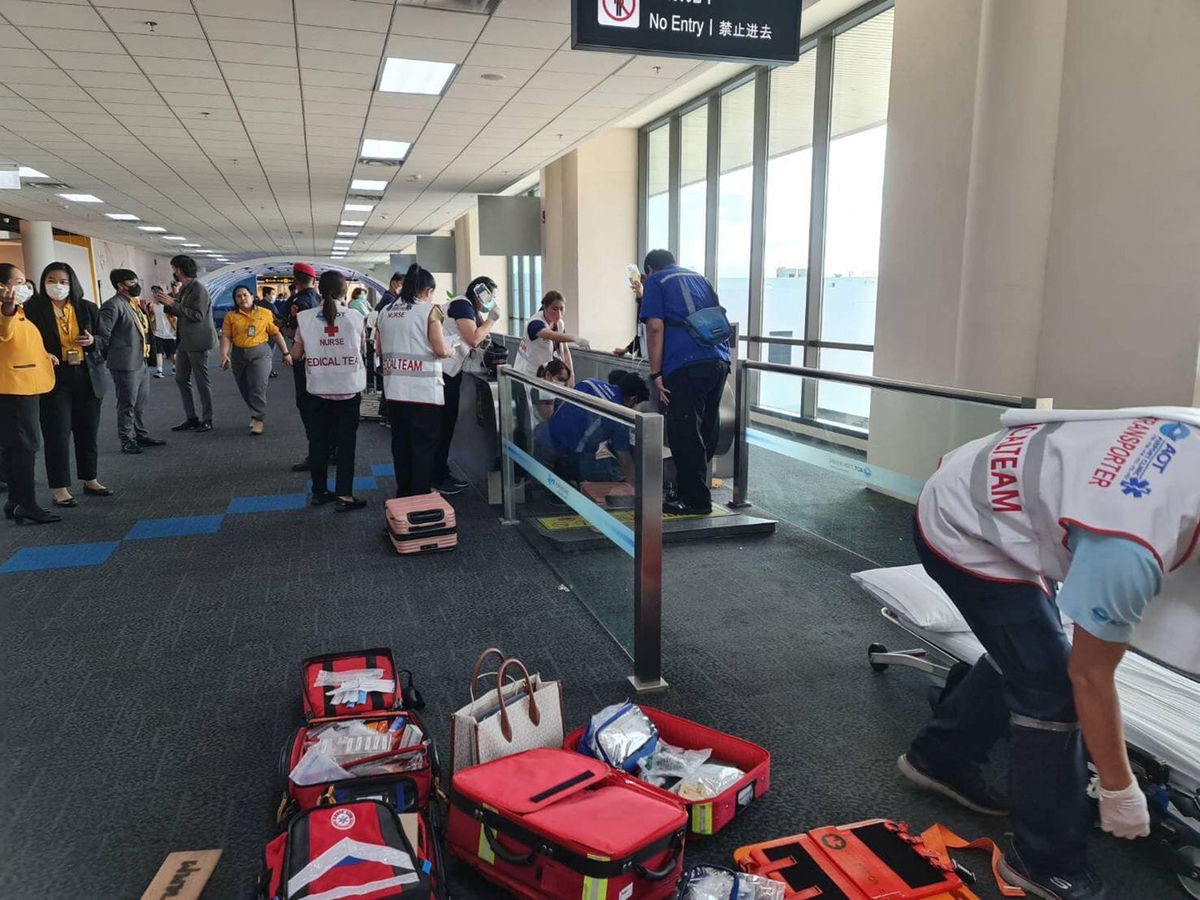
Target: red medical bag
547,824
405,790
422,524
873,860
354,849
709,816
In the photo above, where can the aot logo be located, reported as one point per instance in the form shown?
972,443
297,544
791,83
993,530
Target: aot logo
342,820
1175,431
620,13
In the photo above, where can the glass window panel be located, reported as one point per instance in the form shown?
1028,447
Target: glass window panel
693,192
789,197
847,405
861,73
537,280
658,185
733,219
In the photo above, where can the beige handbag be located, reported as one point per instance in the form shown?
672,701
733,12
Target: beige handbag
523,714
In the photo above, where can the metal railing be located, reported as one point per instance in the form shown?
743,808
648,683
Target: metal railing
648,517
741,456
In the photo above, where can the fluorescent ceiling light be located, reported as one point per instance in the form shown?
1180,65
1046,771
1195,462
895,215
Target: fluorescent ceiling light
27,172
376,149
359,207
123,217
347,234
415,76
81,198
173,237
367,184
193,245
353,222
154,228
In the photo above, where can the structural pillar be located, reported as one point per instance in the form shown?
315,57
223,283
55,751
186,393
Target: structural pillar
37,246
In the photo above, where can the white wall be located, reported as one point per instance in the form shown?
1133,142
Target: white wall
152,268
471,265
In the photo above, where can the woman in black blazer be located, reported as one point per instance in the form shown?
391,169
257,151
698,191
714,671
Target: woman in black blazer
70,327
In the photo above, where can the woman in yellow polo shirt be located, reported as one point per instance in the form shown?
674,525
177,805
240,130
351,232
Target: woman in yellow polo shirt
245,336
26,372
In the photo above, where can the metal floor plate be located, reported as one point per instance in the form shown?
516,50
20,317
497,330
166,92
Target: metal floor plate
570,533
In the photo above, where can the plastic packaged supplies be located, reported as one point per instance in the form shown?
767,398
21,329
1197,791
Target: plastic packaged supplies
352,686
351,749
708,781
621,736
688,773
716,883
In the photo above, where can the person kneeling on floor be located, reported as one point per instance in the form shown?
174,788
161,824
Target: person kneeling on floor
1108,503
572,438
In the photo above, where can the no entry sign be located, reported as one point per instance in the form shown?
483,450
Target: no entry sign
738,30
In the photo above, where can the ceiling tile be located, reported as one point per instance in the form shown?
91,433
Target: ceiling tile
241,89
430,23
249,31
132,22
268,10
236,71
493,58
320,39
50,15
432,50
525,33
343,14
582,62
200,68
234,52
168,47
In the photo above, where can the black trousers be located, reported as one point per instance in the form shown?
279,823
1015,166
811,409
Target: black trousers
693,426
70,414
1021,688
453,393
20,438
416,433
334,424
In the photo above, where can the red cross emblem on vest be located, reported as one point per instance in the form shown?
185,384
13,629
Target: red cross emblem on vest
331,330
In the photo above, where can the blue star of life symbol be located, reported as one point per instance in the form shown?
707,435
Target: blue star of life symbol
1135,487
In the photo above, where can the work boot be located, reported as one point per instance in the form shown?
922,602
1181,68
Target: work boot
188,425
965,786
1083,885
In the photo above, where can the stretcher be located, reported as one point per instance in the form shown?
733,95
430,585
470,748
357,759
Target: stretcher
1160,704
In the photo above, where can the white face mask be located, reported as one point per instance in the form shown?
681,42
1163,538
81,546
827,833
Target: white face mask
22,292
58,291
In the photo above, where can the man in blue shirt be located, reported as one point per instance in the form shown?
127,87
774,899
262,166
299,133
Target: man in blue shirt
574,434
689,375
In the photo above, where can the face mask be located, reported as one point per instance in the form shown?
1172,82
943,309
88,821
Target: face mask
135,291
58,291
22,292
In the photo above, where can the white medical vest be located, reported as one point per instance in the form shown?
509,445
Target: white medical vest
333,362
1000,506
532,355
411,372
458,347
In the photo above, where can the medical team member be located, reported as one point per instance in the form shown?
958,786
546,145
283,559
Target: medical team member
690,376
571,438
546,337
1108,503
329,340
411,345
469,321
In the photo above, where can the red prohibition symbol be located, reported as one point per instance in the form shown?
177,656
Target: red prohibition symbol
620,10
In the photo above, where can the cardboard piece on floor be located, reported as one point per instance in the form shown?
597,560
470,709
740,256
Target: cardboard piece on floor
182,875
408,821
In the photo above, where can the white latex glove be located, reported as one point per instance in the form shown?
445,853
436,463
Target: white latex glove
583,343
1124,813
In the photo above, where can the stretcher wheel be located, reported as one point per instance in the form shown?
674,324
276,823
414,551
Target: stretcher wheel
871,651
1191,856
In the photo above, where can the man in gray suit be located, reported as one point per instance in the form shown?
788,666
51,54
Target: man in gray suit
197,336
126,331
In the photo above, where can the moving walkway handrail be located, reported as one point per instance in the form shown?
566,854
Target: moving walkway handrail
741,453
647,516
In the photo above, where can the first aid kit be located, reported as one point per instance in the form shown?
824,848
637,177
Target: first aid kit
349,850
362,738
877,859
548,824
421,524
716,775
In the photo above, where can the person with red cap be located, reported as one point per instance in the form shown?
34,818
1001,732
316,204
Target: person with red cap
303,276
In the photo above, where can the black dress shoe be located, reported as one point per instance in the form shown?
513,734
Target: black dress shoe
320,499
34,515
679,508
189,425
203,427
131,447
8,509
150,442
348,505
302,466
68,503
98,492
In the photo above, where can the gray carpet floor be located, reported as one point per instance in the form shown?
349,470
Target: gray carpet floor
145,700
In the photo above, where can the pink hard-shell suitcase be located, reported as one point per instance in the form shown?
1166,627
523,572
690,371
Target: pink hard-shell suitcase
422,524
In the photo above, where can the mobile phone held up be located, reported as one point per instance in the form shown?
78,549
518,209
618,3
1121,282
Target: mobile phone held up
634,274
